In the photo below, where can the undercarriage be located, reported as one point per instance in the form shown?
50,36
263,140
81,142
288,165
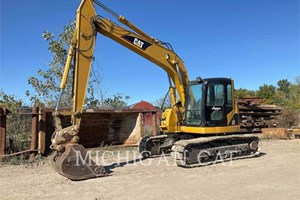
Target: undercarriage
189,151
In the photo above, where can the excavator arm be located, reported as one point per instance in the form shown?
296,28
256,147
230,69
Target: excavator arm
149,48
88,24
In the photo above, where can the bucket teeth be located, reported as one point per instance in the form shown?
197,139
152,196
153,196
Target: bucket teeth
76,163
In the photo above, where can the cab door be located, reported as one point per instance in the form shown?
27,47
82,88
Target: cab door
218,103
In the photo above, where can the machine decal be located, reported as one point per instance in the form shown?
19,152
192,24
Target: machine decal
137,42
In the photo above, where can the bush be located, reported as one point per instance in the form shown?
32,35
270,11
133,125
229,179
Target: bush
289,118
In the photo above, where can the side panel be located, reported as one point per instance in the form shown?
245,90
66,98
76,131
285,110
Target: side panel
211,130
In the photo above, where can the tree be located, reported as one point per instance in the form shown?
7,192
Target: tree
18,126
244,93
289,99
117,101
268,93
163,102
284,86
46,85
10,101
292,97
283,92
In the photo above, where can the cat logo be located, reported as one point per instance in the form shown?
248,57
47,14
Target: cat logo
138,43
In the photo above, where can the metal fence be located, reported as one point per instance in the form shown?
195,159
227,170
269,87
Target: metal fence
29,131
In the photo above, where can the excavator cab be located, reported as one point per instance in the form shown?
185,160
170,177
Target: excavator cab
209,102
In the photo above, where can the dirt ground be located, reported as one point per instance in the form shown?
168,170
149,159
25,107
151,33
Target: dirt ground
274,175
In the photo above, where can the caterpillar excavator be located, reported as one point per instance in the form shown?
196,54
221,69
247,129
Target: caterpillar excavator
202,125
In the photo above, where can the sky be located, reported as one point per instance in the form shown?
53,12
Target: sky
254,42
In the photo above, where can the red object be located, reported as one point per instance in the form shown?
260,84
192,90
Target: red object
143,105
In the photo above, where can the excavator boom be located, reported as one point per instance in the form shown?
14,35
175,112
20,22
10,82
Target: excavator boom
88,24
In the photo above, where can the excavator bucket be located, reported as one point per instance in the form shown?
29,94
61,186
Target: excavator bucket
76,164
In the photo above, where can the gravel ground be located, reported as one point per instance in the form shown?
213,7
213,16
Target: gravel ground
273,175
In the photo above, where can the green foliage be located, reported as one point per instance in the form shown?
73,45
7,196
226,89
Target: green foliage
284,86
244,93
46,85
18,126
268,93
10,101
288,94
294,98
117,101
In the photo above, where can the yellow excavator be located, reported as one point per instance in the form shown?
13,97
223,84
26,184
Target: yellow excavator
201,127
